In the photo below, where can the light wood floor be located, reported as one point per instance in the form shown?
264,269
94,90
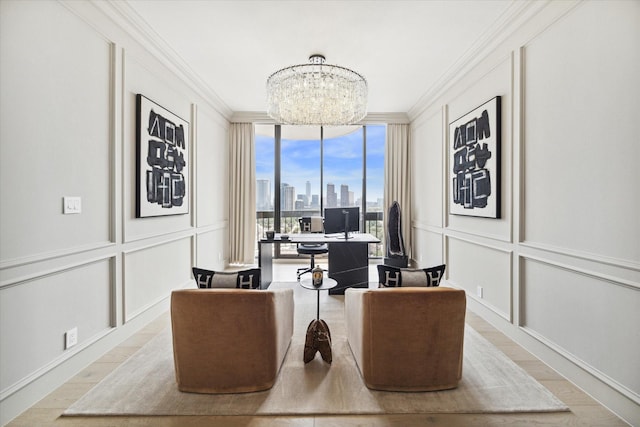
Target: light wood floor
584,410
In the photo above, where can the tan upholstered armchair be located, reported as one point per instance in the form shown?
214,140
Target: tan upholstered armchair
230,340
407,339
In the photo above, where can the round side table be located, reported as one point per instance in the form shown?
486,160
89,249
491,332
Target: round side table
327,283
318,336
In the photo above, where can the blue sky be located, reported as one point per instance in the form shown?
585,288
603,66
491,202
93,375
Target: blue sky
342,162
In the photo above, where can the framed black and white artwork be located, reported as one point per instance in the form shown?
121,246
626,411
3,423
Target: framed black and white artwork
474,162
162,152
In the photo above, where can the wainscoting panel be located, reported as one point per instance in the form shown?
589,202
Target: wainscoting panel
210,252
593,319
212,168
141,78
427,246
497,82
581,139
427,171
36,313
55,142
472,265
151,273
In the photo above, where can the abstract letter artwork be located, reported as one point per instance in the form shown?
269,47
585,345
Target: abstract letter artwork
474,162
162,160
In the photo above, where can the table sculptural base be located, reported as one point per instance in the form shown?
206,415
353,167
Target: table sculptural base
318,337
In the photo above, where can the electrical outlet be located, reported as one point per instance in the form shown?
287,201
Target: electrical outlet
480,292
71,338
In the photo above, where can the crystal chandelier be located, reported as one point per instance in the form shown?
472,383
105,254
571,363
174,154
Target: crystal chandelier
316,94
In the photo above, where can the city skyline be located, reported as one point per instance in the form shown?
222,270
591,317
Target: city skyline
300,163
291,199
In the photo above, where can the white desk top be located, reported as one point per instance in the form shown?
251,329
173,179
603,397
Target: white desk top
323,238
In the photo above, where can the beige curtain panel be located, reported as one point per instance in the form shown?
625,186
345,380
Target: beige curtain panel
397,182
242,194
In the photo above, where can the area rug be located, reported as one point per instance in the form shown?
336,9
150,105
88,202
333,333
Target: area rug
145,383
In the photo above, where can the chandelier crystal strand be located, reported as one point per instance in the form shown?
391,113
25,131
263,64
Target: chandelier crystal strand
316,94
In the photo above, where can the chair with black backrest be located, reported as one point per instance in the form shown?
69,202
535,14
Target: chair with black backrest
311,225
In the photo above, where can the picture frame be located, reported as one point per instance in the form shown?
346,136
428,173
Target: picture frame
162,161
474,162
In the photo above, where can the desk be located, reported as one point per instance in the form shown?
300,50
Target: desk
348,259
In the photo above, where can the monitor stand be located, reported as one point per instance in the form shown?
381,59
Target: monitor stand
346,236
346,224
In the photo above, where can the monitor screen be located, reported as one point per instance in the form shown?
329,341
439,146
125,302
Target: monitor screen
334,219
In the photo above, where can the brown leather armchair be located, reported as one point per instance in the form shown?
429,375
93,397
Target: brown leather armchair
407,339
230,340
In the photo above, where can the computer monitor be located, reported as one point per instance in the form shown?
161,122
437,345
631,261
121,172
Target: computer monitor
335,220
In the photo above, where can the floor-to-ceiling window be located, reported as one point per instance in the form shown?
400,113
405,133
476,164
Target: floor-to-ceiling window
301,170
300,175
343,166
265,173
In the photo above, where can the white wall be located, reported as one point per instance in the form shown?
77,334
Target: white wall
561,268
68,78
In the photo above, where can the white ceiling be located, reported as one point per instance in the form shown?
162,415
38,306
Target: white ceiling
405,49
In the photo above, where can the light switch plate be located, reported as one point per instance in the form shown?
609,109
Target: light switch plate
71,205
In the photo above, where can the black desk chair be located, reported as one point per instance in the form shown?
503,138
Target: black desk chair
311,225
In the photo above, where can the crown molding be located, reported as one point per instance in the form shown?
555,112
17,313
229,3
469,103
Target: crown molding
126,18
251,117
514,17
389,118
371,118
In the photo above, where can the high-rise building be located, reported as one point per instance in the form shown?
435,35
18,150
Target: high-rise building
263,195
332,197
308,191
287,197
283,185
344,195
